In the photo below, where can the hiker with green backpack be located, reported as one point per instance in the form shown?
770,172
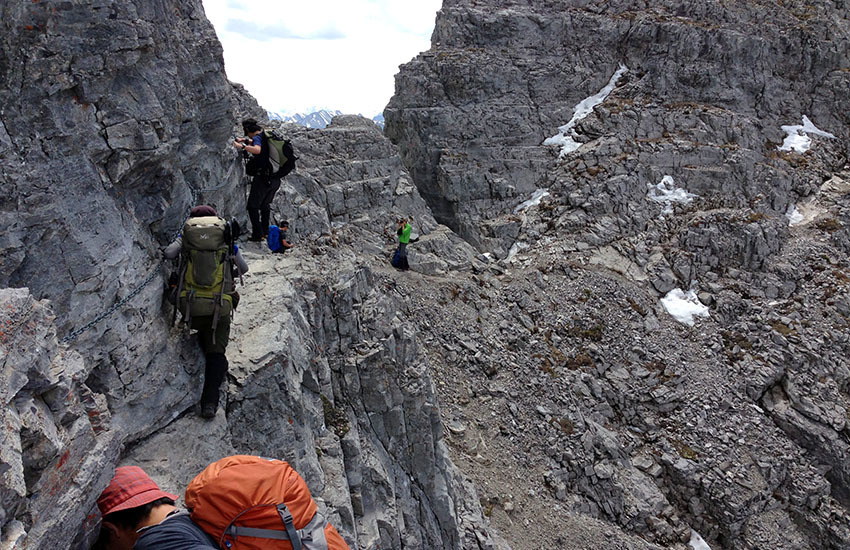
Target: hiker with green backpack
205,290
272,159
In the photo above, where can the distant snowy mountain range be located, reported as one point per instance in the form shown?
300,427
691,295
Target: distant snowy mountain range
317,119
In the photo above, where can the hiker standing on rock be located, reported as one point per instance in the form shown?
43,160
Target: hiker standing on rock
205,293
138,515
264,184
403,232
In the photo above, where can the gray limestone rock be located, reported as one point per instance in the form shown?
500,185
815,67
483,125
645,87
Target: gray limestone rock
113,124
471,114
522,385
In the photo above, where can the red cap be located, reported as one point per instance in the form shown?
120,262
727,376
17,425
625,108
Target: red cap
130,488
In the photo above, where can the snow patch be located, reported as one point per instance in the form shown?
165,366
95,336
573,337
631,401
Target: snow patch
533,201
665,192
798,136
565,138
514,250
684,306
794,216
697,542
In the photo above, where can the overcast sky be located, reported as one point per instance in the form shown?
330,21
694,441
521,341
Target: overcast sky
297,56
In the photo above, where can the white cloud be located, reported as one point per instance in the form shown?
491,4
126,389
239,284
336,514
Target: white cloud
331,54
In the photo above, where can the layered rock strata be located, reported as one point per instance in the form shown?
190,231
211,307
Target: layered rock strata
707,90
612,153
555,379
324,372
116,117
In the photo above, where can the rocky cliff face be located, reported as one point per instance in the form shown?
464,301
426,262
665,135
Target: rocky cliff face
619,155
707,90
105,129
116,117
548,398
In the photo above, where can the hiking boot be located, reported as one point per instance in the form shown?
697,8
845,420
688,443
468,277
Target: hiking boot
208,410
214,374
256,239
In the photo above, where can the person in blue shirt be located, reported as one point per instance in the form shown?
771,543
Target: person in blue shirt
264,184
284,242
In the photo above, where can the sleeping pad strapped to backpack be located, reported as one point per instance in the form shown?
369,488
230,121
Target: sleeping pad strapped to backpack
253,503
206,278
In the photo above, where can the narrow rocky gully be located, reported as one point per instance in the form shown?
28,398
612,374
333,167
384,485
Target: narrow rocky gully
627,319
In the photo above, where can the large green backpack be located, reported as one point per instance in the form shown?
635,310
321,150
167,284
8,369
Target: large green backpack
206,277
281,155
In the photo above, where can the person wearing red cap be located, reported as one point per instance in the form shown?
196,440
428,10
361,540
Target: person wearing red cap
138,515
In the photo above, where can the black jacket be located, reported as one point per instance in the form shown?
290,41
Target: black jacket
176,532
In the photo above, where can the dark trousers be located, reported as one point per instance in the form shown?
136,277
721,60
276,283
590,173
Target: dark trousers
263,189
216,361
402,256
214,374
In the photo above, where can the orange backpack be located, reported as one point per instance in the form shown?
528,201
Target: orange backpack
253,503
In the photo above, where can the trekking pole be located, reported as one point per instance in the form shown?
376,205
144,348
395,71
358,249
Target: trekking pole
244,156
247,191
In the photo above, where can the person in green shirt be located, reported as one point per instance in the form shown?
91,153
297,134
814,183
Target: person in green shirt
404,229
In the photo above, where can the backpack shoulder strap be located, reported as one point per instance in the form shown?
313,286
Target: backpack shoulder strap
313,531
182,264
264,138
286,516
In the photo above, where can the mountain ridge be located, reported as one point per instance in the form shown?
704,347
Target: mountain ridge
535,379
316,119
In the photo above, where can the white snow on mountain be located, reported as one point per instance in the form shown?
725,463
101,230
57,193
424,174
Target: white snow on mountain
565,136
684,306
533,201
697,542
795,217
665,192
798,139
316,119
